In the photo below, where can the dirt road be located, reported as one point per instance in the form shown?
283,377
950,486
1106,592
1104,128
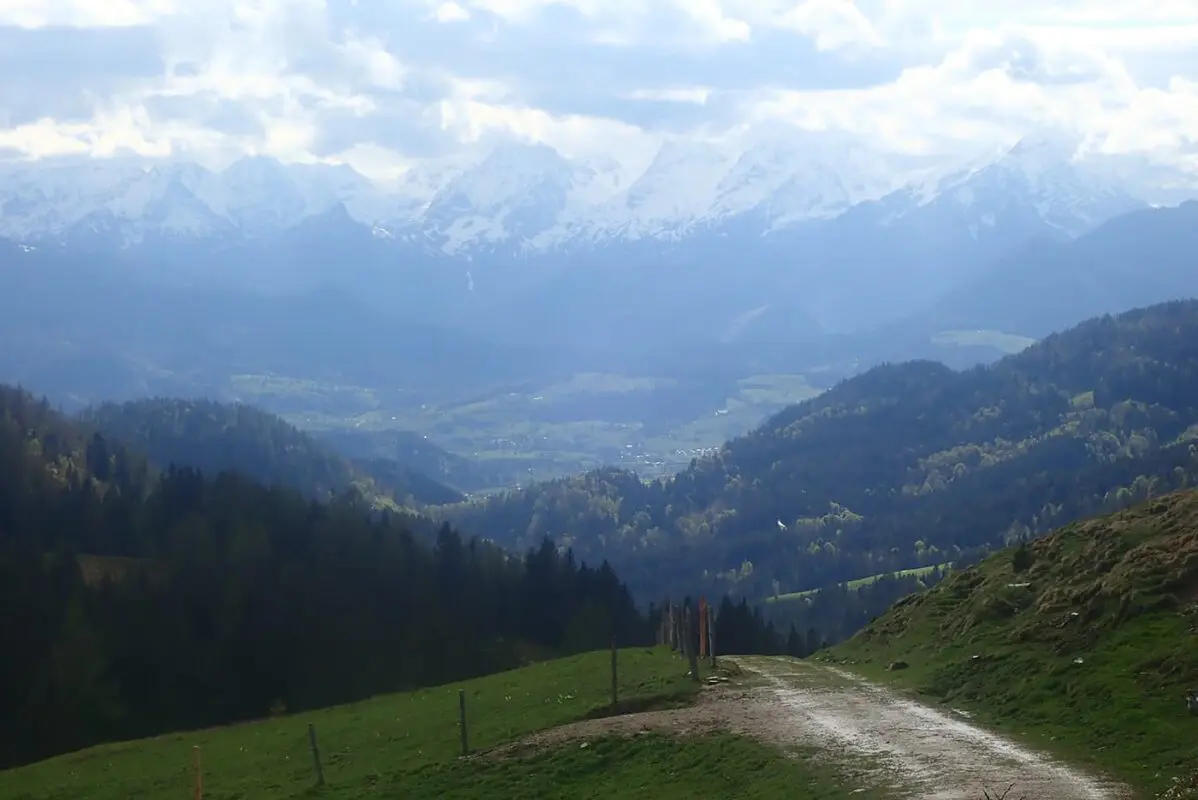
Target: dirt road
877,736
923,752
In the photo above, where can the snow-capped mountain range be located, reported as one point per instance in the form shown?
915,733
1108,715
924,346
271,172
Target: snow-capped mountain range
775,253
528,198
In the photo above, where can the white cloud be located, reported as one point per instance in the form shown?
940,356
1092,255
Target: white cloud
832,24
381,86
994,87
697,95
477,110
451,12
715,23
379,67
84,13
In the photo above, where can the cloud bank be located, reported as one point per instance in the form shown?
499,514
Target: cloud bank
385,85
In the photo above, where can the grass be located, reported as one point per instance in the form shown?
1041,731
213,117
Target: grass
382,741
1087,650
407,745
859,582
653,767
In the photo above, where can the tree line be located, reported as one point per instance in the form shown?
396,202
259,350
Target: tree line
134,602
214,437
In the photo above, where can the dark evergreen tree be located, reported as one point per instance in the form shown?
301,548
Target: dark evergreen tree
135,602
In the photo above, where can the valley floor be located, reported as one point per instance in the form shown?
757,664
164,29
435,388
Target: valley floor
878,739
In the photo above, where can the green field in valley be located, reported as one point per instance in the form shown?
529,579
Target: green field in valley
917,572
588,420
1005,343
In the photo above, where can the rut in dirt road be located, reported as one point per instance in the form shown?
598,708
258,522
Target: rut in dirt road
922,752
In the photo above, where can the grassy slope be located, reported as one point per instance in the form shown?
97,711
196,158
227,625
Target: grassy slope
406,745
1088,650
648,767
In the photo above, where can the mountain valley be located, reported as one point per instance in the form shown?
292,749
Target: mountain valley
485,399
528,341
905,465
642,353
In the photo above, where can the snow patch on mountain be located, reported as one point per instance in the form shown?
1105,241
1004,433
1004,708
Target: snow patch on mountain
138,198
1041,178
518,192
522,198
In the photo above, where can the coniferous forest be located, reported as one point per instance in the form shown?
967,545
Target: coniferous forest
134,602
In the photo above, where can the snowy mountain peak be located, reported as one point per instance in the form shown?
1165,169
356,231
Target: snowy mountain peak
674,192
1045,145
1039,182
1040,157
522,197
790,178
515,194
505,173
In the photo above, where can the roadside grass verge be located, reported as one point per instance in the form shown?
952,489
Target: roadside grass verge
1085,644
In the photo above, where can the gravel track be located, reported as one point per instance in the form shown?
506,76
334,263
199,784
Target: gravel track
880,738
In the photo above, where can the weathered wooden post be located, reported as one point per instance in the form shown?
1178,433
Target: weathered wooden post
462,721
688,642
614,683
711,634
682,643
199,772
315,754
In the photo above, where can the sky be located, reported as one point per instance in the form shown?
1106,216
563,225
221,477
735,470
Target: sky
386,84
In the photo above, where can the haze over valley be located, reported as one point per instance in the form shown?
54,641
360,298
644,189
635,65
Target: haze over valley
632,345
830,367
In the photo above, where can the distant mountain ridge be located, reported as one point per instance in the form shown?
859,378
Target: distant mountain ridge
528,198
783,234
331,303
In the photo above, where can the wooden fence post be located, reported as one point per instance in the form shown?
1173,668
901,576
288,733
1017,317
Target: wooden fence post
315,755
683,642
462,721
199,772
614,690
688,643
711,634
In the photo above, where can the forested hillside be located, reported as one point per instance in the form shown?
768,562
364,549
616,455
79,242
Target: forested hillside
419,455
133,602
215,437
904,466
